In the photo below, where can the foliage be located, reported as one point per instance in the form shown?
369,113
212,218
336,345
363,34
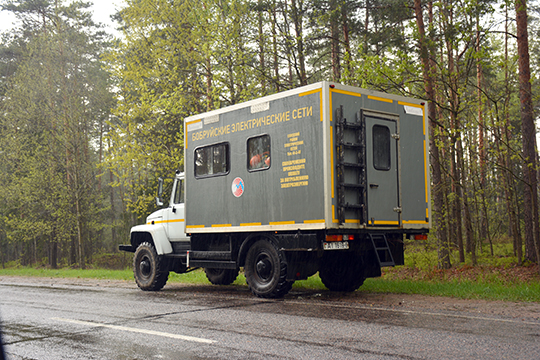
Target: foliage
81,149
53,108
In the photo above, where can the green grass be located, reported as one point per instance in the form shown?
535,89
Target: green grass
490,289
458,289
68,273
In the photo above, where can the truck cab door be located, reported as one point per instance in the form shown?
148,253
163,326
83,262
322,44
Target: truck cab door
174,215
382,165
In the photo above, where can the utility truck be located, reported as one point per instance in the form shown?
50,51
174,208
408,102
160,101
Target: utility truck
324,178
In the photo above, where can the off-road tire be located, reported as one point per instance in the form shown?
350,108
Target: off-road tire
266,270
341,271
221,276
148,268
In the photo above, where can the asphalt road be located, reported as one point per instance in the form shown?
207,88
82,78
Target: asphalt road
44,319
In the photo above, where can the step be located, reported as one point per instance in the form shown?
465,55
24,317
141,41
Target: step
351,145
349,125
380,245
352,165
352,186
353,206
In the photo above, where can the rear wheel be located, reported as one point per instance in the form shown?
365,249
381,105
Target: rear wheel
266,270
341,271
221,276
149,270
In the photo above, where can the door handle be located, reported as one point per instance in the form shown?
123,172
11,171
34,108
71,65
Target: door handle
174,209
373,186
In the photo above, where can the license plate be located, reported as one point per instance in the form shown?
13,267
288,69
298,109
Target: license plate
337,245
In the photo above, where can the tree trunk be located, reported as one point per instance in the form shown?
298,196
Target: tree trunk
438,188
528,132
274,47
297,9
334,41
346,41
262,60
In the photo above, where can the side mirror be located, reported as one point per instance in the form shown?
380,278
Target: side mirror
159,199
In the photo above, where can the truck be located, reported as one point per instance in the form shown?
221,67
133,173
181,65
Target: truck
323,178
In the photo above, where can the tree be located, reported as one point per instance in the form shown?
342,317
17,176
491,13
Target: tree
528,134
52,105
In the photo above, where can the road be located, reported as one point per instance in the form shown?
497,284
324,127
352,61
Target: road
79,319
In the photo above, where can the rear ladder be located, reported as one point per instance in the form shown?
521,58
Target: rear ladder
351,174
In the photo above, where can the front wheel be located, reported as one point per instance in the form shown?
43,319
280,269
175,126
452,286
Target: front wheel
148,268
341,271
221,276
266,270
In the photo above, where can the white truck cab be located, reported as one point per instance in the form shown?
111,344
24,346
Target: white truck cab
166,225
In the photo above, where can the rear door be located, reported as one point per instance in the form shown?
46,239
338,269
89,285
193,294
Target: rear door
382,171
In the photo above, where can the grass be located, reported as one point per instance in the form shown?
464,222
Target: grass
490,289
494,278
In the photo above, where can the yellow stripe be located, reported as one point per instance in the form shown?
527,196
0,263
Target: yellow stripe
319,221
310,92
221,225
352,221
165,221
346,92
193,121
251,224
330,104
410,104
194,226
380,99
185,135
334,220
321,106
427,213
282,223
414,222
320,99
386,222
332,159
425,172
423,123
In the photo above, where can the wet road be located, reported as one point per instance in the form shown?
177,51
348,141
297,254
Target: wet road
69,321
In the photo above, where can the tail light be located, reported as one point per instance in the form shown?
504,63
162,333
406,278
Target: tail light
339,237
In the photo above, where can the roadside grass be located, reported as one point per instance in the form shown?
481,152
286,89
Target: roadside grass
490,289
494,278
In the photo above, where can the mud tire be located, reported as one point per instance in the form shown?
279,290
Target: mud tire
341,271
266,270
221,276
149,269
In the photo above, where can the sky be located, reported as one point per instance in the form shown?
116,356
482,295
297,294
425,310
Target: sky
102,10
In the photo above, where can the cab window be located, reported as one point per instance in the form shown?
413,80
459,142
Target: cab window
178,192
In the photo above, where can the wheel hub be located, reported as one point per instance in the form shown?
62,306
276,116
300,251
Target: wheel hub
145,267
264,268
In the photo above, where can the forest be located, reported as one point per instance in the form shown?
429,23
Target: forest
90,118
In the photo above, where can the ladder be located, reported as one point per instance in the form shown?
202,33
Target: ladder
351,174
382,249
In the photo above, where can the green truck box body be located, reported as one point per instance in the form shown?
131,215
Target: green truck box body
323,156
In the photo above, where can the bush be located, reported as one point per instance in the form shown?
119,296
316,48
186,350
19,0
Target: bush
115,261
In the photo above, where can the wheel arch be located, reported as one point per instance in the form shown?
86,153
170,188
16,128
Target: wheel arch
250,240
153,234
